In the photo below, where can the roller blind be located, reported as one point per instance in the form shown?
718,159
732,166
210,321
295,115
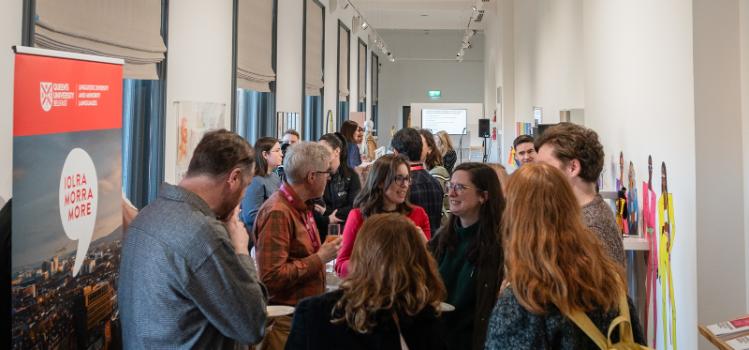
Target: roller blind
314,35
343,63
130,30
362,69
255,45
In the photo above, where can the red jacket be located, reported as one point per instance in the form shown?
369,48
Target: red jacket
355,220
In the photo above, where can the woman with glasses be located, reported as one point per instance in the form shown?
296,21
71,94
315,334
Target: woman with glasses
469,253
386,191
342,188
268,157
390,300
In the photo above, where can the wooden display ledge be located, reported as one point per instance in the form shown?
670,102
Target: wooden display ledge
719,342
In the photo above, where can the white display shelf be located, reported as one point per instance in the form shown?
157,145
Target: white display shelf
636,243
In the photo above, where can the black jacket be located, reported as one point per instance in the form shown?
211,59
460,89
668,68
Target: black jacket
490,271
339,194
312,329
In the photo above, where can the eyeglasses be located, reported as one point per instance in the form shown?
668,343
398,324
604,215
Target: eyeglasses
329,173
458,188
402,180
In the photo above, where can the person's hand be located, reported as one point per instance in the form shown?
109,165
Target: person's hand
319,209
237,233
329,250
334,219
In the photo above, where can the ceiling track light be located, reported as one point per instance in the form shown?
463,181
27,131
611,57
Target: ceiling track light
359,23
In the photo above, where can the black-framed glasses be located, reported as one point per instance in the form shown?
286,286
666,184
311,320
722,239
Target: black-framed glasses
458,188
402,180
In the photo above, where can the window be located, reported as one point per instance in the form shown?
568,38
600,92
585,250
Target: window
255,73
344,35
313,68
143,138
361,81
375,81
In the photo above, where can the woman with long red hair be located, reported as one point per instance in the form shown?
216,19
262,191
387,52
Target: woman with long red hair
555,266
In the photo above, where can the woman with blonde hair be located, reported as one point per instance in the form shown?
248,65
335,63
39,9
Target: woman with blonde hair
445,145
555,266
501,174
390,299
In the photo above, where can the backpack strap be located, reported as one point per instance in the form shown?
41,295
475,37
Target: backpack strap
623,322
586,325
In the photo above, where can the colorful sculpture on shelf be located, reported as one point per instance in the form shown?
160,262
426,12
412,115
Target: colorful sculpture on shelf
667,235
633,208
621,201
648,231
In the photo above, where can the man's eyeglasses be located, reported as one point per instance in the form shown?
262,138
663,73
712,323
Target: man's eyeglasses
402,180
328,173
458,188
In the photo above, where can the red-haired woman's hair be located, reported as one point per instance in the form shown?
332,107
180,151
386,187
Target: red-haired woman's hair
551,256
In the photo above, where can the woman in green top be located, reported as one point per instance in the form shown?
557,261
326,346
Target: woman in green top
469,253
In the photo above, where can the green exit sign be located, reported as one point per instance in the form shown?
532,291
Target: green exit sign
434,94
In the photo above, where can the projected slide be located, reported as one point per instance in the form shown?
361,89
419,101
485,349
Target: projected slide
451,120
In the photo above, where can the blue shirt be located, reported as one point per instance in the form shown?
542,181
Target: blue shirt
354,157
181,284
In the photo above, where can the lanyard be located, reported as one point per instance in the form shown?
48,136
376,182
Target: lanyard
308,223
417,167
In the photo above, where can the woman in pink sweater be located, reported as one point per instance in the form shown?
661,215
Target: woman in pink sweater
386,191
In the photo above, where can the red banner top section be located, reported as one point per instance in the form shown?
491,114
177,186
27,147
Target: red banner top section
56,95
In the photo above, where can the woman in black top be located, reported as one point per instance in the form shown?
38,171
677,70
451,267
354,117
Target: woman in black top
389,300
469,253
342,188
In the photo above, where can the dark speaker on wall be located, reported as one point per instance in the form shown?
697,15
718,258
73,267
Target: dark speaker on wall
484,128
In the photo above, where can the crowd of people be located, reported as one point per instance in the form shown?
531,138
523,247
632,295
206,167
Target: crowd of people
433,254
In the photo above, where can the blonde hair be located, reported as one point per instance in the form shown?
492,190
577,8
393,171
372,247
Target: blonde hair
390,269
446,144
551,256
501,174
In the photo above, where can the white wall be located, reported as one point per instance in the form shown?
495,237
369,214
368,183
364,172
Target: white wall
744,39
474,110
548,57
639,97
199,62
10,34
720,181
407,80
506,79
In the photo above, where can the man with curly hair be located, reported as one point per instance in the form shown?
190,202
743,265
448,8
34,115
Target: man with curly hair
576,151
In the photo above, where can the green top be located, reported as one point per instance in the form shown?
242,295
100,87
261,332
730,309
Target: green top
460,280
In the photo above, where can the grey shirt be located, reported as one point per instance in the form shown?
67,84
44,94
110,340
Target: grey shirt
261,188
181,284
599,217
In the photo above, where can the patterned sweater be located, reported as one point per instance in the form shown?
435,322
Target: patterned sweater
513,327
599,217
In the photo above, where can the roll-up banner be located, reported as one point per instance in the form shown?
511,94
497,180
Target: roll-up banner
67,216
